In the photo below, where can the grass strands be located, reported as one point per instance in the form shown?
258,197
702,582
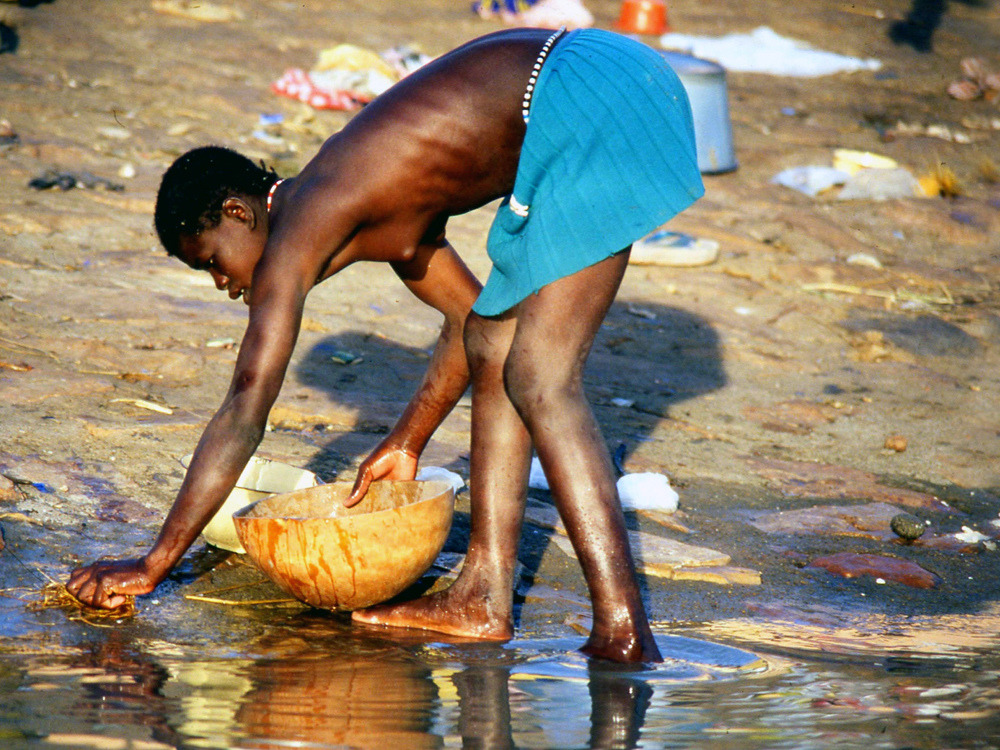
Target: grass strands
210,597
55,595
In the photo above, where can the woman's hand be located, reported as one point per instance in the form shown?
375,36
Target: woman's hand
388,461
106,584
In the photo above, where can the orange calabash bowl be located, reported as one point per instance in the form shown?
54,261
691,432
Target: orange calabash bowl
332,557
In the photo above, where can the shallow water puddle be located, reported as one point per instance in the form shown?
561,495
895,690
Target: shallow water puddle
325,688
184,674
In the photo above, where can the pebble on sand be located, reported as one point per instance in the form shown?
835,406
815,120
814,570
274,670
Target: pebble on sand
896,443
907,526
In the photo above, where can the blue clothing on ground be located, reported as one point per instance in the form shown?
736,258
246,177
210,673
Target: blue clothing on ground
608,156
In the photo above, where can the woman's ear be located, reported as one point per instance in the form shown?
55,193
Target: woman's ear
236,208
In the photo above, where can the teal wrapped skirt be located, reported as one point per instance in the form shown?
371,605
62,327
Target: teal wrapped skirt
608,156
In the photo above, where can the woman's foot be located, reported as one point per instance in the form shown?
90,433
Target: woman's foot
454,611
630,646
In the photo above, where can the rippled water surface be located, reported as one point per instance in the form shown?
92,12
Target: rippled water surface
314,681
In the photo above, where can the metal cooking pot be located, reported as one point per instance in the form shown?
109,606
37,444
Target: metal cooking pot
705,84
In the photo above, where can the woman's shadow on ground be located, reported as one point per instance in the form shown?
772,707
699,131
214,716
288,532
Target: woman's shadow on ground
646,359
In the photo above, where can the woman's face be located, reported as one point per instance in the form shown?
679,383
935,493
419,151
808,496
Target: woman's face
229,251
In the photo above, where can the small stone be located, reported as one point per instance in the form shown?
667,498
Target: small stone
8,489
907,526
896,443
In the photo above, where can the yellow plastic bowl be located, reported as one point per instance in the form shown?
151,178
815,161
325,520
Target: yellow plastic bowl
332,557
261,477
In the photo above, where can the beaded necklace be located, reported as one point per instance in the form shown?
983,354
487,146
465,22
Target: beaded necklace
536,69
270,194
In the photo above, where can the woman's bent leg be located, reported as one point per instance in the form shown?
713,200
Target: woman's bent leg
480,603
543,376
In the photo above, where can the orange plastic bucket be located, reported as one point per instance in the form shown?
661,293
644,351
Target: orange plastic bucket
643,17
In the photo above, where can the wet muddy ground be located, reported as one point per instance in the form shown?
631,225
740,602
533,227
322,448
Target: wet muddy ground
798,394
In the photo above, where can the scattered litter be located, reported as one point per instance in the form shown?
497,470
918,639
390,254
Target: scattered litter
863,259
859,174
269,131
440,474
898,297
642,491
344,77
197,10
405,59
647,491
342,357
224,343
64,180
537,479
322,92
349,57
981,122
881,185
640,312
941,181
624,403
543,14
970,535
941,132
15,366
976,82
764,51
852,162
618,457
8,136
811,180
142,403
264,137
643,17
666,248
115,133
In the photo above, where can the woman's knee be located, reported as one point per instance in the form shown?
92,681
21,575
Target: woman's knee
486,342
535,384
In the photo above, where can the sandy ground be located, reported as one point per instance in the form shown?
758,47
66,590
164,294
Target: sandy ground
767,381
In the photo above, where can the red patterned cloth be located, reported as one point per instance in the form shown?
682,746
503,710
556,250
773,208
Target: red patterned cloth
298,84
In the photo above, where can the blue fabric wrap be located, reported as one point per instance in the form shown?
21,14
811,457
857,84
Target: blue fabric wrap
608,156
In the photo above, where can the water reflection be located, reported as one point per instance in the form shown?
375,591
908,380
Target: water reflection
485,693
328,701
318,686
113,697
392,701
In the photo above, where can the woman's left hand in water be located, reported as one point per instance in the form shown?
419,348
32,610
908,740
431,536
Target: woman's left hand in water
386,462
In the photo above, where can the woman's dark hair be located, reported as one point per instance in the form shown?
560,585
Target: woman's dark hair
195,186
